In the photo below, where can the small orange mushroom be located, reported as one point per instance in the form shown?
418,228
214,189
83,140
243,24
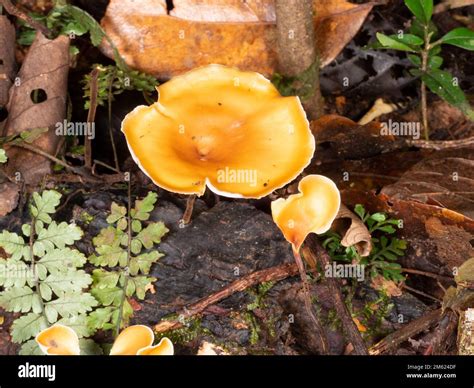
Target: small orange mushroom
222,128
134,340
312,210
138,340
58,340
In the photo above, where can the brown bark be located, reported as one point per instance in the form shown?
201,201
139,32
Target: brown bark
297,48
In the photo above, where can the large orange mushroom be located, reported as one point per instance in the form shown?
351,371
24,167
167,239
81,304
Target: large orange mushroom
222,128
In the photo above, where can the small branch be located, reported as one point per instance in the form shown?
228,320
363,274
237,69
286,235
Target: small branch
111,134
415,291
94,87
409,330
272,274
13,10
428,274
424,67
441,144
54,159
189,209
314,248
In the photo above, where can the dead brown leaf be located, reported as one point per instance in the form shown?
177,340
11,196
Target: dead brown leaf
379,283
228,32
44,70
353,230
9,194
445,179
7,59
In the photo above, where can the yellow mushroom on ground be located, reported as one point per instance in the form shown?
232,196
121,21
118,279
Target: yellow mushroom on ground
312,210
222,128
134,340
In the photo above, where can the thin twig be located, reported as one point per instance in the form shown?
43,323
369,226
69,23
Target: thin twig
441,144
272,274
13,10
111,134
427,274
313,247
409,330
189,209
94,87
415,291
54,159
424,66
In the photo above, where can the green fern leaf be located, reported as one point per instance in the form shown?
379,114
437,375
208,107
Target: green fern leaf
152,234
44,204
143,262
56,235
20,299
109,256
27,326
69,305
60,260
30,348
14,245
143,207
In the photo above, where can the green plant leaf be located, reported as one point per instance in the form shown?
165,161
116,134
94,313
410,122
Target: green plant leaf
56,235
143,207
20,299
69,282
89,347
418,28
117,212
109,256
61,260
108,296
27,326
395,43
138,285
143,262
79,323
15,273
86,23
109,236
422,9
461,37
99,318
3,156
30,348
152,234
44,204
14,245
69,305
105,279
441,83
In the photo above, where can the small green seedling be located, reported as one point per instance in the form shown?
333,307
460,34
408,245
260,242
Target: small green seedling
423,50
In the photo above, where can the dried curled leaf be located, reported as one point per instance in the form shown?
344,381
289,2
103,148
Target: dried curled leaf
353,230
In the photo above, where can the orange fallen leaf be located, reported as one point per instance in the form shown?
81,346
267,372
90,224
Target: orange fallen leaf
389,286
359,325
228,32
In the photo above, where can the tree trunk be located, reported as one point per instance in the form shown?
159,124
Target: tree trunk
297,50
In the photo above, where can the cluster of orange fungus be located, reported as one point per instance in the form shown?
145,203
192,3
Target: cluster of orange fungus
312,210
134,340
222,128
